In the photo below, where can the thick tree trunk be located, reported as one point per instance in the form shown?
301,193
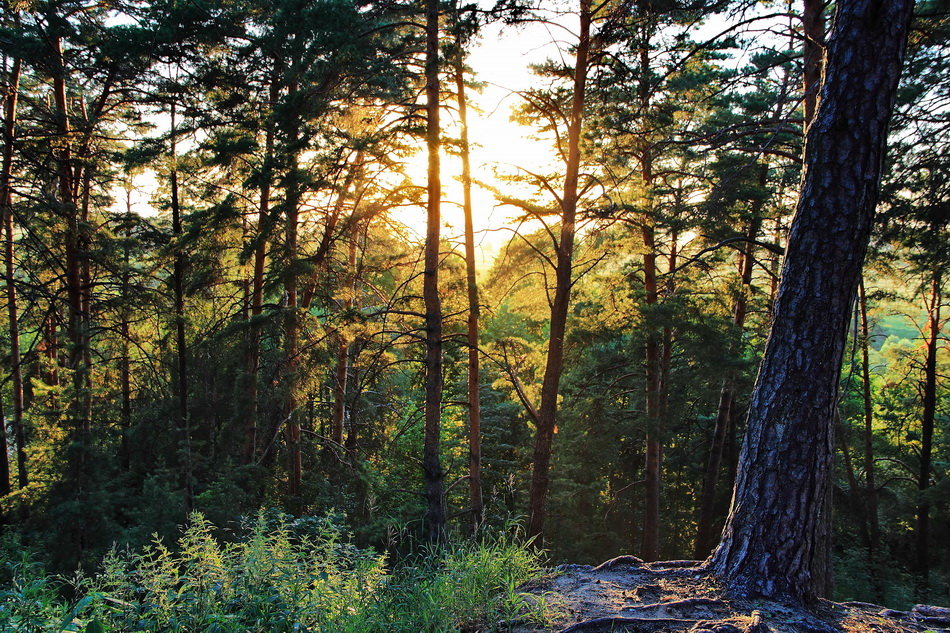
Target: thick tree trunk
6,209
929,391
813,30
431,458
554,365
772,530
474,401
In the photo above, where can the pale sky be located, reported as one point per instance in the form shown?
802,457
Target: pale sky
501,59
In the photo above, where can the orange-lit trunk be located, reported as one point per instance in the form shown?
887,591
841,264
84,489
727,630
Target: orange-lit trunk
554,366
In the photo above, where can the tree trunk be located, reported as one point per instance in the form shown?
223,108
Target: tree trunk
813,29
650,548
929,390
76,327
772,530
5,486
870,488
6,209
554,365
181,343
252,361
474,401
343,344
291,322
125,380
431,458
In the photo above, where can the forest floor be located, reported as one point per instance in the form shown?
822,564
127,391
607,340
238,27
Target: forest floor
626,595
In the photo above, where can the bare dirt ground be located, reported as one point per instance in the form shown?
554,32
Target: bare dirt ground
627,595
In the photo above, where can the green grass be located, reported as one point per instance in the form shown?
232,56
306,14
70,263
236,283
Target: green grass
281,576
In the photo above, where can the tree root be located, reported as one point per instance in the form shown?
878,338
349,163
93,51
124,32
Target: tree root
615,624
675,564
619,561
687,603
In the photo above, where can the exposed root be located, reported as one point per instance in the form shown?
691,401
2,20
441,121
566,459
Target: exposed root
687,603
675,564
628,595
616,624
620,561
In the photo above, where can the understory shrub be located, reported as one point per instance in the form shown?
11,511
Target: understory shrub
281,575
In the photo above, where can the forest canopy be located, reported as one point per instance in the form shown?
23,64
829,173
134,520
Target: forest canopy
253,261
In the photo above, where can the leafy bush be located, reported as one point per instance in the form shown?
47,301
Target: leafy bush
283,576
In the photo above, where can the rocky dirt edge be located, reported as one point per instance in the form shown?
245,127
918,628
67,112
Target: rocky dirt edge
627,595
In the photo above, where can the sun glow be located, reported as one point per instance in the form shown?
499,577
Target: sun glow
501,62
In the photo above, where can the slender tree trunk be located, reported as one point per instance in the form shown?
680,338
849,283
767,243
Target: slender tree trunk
431,452
554,366
253,359
83,193
650,548
125,361
76,329
772,531
870,488
343,344
5,486
6,209
292,325
474,401
929,390
181,343
51,352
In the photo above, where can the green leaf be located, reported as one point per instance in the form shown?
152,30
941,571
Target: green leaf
95,626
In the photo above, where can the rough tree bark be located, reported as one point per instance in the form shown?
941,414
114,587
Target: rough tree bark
431,463
773,527
813,29
554,365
